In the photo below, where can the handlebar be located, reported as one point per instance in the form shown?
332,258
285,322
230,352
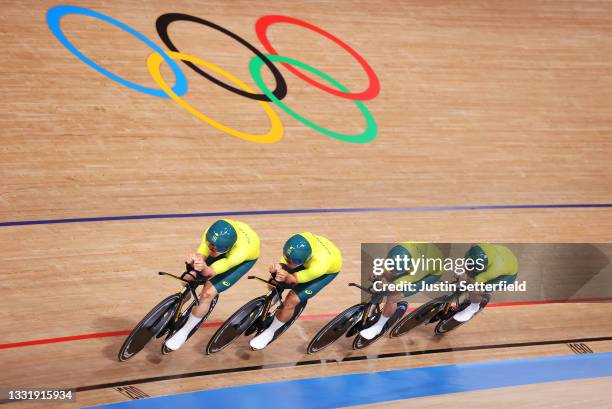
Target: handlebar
367,290
272,282
191,285
375,296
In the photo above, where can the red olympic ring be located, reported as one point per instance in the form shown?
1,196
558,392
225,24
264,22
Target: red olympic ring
374,87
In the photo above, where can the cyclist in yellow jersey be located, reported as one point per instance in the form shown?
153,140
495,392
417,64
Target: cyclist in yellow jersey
309,263
499,265
424,262
228,250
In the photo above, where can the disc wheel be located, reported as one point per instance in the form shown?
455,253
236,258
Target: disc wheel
151,325
335,328
236,325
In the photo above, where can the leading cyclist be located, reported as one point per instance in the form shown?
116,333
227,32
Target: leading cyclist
228,250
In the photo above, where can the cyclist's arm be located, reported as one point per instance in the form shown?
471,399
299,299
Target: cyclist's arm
234,257
315,270
485,276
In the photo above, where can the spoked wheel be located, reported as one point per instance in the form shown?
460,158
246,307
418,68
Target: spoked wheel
335,328
236,325
360,342
420,315
450,324
183,319
151,325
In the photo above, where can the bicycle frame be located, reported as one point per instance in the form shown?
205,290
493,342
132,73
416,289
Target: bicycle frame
190,286
371,307
277,290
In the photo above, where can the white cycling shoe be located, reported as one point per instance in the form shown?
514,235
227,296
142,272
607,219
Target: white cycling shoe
374,330
262,340
177,340
468,313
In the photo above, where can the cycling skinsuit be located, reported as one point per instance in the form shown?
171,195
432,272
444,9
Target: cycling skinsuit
229,267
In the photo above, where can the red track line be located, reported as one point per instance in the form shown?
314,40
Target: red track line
573,300
303,317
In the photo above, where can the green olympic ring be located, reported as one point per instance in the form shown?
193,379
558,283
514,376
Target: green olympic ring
366,136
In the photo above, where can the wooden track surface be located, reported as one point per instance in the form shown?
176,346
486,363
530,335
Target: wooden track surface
480,104
591,393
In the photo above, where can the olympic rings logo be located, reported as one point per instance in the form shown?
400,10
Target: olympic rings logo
234,85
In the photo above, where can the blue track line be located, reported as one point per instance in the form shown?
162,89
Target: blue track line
307,211
367,388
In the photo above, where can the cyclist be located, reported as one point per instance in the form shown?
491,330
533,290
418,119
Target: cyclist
491,264
228,250
426,271
309,263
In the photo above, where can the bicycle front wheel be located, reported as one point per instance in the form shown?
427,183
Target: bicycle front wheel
235,325
152,324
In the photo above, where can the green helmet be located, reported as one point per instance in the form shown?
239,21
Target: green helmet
479,258
222,236
297,250
402,252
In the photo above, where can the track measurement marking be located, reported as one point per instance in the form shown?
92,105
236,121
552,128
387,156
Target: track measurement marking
131,392
580,348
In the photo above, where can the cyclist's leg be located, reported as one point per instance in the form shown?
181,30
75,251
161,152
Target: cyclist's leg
391,303
220,283
477,296
212,287
300,292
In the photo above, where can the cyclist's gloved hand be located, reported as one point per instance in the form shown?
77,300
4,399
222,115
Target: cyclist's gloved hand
198,263
273,268
286,278
190,258
281,275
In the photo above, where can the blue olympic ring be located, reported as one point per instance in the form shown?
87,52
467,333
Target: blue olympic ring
54,16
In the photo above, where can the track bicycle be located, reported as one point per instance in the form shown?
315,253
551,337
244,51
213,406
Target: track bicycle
354,319
441,310
254,317
168,316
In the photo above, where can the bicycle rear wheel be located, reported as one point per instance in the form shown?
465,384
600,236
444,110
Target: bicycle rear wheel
417,317
335,328
152,324
235,325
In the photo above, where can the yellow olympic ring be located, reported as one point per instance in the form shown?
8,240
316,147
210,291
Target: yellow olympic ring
154,61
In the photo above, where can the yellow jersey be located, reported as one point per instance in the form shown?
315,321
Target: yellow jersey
325,259
246,248
502,262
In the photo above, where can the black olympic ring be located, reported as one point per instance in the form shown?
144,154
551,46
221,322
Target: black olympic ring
165,20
